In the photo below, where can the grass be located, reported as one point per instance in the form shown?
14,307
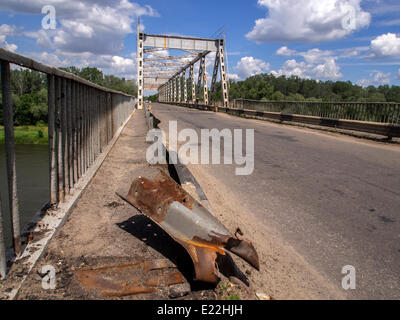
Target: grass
227,291
28,135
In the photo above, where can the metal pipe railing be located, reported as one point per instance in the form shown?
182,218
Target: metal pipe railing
383,112
82,120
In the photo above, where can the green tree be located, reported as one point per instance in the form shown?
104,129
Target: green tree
278,96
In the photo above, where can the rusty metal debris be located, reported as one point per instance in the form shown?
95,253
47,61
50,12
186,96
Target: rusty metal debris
188,223
130,279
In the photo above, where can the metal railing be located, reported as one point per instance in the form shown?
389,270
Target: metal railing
384,112
82,119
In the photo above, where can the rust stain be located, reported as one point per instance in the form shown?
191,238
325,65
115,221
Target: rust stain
204,262
154,197
130,279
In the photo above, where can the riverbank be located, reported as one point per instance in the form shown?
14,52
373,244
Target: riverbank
37,135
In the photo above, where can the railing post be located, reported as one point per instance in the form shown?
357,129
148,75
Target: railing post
10,154
3,258
75,132
52,140
70,136
64,124
59,139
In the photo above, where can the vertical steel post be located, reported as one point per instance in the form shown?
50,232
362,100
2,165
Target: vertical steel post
170,90
10,154
79,128
69,135
75,130
86,125
52,140
140,68
91,101
65,135
3,258
224,80
179,80
200,78
185,94
59,134
98,124
203,63
174,89
193,84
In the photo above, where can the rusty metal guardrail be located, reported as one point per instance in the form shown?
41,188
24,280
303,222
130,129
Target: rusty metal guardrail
82,119
389,130
189,224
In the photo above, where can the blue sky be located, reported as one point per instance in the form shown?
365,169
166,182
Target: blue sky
320,39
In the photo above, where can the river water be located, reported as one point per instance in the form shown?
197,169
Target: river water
32,181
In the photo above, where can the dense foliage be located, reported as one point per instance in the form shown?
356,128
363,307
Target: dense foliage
269,87
109,81
153,98
29,90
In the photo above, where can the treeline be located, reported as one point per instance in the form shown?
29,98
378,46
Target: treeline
109,81
269,87
29,91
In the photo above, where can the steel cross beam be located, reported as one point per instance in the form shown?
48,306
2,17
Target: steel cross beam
180,43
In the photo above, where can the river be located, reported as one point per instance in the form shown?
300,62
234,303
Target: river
32,180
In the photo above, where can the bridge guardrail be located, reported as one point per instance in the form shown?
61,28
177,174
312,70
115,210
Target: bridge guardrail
83,118
386,129
382,112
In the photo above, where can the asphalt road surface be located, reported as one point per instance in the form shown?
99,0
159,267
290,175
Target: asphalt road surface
334,199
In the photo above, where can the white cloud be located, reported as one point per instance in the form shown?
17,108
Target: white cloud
249,66
293,68
318,64
123,66
84,26
308,20
326,70
7,30
386,46
233,76
285,51
376,78
50,59
398,75
88,33
311,56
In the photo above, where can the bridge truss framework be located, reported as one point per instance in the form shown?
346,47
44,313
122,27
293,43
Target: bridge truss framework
174,76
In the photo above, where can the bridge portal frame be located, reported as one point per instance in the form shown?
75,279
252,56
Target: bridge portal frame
172,85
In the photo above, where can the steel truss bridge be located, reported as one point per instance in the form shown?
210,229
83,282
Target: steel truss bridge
174,75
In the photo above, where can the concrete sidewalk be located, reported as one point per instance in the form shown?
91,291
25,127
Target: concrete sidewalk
105,232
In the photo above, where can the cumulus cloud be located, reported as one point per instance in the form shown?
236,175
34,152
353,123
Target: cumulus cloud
323,71
308,20
318,64
327,70
386,46
292,68
84,26
88,32
311,56
249,66
7,30
285,51
109,64
376,78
